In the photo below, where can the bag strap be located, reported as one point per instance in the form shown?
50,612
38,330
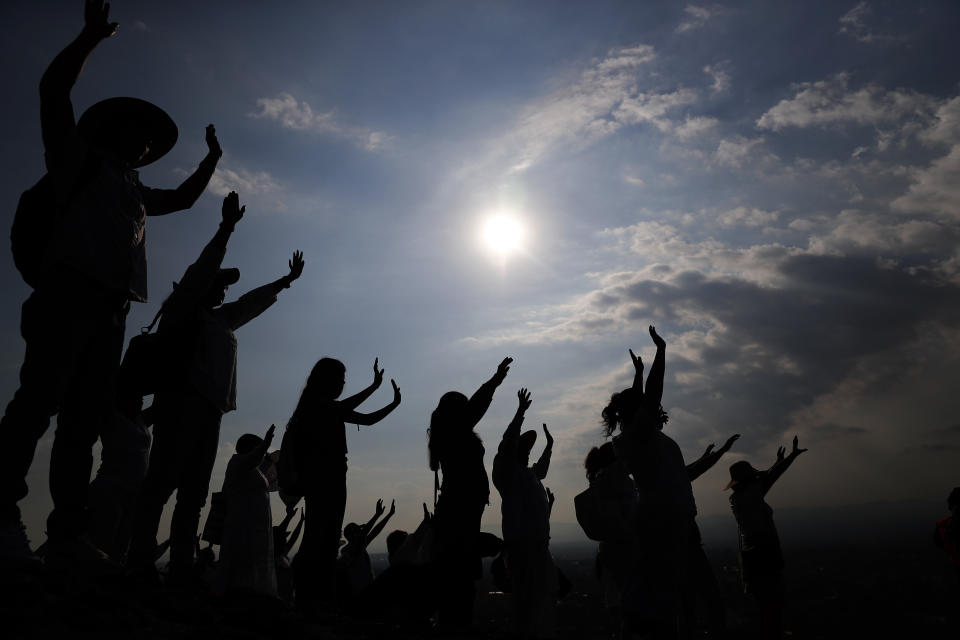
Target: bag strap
149,327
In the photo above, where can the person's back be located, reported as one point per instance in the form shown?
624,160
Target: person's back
246,554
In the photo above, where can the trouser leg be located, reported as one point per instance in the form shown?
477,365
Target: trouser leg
48,365
163,473
194,483
316,562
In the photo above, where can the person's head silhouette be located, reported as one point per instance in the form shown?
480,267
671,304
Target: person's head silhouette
133,131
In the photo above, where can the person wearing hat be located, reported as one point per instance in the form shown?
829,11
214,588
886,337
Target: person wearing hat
90,264
761,561
247,559
525,506
201,386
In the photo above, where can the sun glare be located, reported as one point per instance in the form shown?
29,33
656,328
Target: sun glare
503,234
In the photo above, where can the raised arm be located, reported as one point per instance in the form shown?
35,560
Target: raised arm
782,464
380,525
367,419
200,275
253,458
158,202
377,512
653,394
541,466
357,399
57,123
251,304
506,458
480,401
637,373
709,458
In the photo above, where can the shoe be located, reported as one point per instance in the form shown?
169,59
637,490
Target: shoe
78,556
15,552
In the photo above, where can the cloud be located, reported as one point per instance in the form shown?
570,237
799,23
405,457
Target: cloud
831,102
244,182
854,24
721,79
747,217
935,188
735,152
602,100
696,17
299,116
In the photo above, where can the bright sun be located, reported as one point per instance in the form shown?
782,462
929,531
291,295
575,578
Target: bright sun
503,234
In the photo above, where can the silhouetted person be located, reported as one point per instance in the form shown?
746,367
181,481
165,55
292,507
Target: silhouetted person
457,451
246,547
666,505
202,386
92,266
319,439
761,560
946,535
608,513
525,507
354,561
701,581
113,493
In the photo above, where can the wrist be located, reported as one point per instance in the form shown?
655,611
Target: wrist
227,225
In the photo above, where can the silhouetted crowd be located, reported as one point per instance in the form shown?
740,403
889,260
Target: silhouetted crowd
79,241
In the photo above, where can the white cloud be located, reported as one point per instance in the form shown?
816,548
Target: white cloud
721,79
244,182
747,217
693,127
832,102
299,116
854,23
602,100
734,152
935,189
696,17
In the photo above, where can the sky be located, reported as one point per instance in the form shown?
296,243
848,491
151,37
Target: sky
774,186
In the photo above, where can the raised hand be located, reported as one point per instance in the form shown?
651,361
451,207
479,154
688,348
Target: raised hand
213,145
232,211
96,19
796,447
296,265
379,509
637,361
729,443
396,391
393,507
546,434
502,370
709,449
657,340
523,396
377,373
780,452
268,438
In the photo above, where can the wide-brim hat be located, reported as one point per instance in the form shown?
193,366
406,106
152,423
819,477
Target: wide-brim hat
741,472
117,118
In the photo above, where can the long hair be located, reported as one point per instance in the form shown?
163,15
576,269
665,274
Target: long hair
623,406
326,372
443,426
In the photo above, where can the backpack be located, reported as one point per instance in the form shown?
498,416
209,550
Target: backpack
36,216
288,476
